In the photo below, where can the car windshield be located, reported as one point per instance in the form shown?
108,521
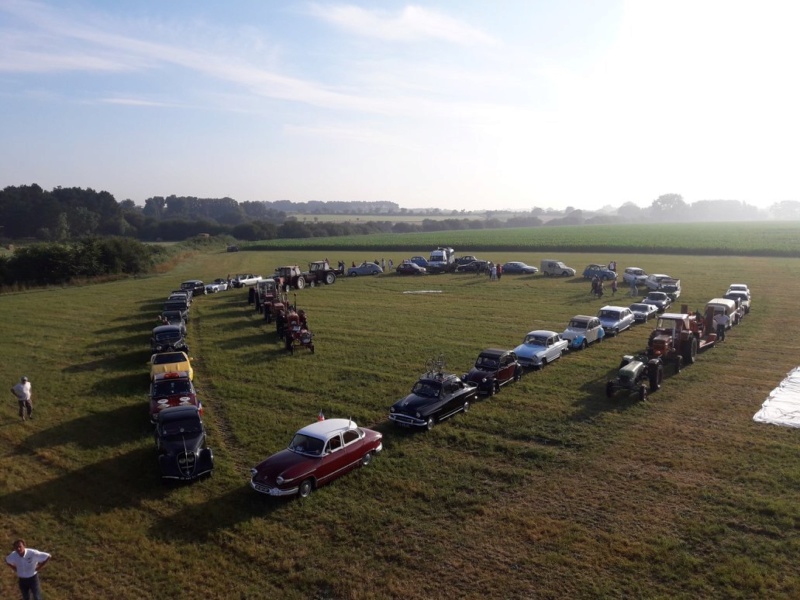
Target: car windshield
486,362
639,307
577,324
168,388
427,389
172,314
168,357
166,336
609,314
306,444
181,427
656,295
536,340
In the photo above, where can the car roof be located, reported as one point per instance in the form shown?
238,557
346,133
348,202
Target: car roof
493,352
328,427
178,412
166,328
582,318
609,307
542,332
172,376
641,305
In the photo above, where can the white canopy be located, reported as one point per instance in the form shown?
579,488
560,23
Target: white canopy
782,406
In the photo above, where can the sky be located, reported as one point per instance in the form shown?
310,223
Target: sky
462,104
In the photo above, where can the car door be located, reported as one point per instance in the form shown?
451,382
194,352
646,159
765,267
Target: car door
506,369
334,460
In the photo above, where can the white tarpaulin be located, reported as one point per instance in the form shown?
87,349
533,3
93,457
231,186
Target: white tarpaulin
782,406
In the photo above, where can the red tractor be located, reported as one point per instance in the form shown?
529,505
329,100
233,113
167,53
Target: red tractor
678,337
296,332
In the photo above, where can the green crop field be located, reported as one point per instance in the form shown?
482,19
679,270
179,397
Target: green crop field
752,239
546,490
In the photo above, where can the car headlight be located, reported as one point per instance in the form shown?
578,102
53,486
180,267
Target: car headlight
419,416
391,409
279,480
253,472
484,380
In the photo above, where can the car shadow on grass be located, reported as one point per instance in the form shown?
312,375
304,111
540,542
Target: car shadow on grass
120,481
200,522
99,429
124,385
117,362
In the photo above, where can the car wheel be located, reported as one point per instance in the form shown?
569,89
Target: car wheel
491,389
301,283
429,423
366,459
330,278
466,407
353,274
678,364
305,489
517,375
544,363
583,345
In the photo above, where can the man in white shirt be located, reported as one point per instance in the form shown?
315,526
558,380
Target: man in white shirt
26,563
722,321
23,393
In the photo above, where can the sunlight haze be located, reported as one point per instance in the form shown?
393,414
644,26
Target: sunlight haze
457,105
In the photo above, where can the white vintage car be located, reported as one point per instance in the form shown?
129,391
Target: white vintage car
636,274
653,282
218,285
540,348
616,319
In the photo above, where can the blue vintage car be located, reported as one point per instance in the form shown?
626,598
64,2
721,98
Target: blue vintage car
540,348
582,331
593,270
616,319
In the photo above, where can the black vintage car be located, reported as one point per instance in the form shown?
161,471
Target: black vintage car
181,443
174,317
179,305
494,368
168,337
197,287
434,397
476,266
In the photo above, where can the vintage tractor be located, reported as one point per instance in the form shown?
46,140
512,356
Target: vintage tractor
678,337
637,374
296,331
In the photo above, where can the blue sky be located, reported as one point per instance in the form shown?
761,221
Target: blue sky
471,105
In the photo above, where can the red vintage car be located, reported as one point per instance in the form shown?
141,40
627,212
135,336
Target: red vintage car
171,389
318,454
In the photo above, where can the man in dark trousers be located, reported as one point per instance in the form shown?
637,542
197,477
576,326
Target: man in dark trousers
26,563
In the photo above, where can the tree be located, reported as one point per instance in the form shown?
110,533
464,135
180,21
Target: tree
669,204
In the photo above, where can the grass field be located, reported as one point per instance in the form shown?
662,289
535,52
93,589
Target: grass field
547,490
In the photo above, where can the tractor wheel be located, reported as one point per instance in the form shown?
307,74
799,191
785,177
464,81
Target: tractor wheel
301,283
311,347
330,278
610,389
268,316
690,351
678,364
642,393
656,376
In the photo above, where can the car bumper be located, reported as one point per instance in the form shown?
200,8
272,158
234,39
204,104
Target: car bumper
263,488
407,420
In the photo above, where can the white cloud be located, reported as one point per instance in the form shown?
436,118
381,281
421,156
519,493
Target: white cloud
413,23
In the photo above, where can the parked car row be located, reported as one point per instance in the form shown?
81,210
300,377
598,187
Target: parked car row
174,408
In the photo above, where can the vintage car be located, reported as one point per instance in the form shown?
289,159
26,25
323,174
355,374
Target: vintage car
643,312
197,287
658,299
181,443
493,369
419,261
174,317
741,298
171,389
410,268
476,266
556,268
434,397
739,287
245,280
653,282
170,362
519,268
463,260
181,296
582,330
616,319
365,268
218,285
168,337
540,348
233,248
317,454
634,274
593,270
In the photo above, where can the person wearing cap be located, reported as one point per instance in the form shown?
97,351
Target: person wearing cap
23,393
26,563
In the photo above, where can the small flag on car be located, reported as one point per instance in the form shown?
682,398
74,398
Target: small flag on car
320,416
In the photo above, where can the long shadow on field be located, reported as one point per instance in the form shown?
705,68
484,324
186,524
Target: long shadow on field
153,306
121,481
123,385
137,327
118,362
109,428
200,522
141,340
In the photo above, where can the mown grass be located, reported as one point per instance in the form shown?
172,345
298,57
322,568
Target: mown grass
748,239
547,490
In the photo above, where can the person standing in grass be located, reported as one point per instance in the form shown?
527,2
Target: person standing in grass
26,563
23,393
